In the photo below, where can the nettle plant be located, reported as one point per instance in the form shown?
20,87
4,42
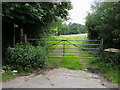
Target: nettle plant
26,57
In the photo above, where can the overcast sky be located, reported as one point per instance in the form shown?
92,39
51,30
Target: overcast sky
79,11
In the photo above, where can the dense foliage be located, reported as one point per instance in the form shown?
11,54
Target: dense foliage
26,57
34,17
72,28
112,59
104,23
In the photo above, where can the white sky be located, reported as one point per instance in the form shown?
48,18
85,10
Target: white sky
79,11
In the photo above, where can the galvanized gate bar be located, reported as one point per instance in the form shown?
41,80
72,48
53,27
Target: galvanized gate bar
76,52
68,54
83,44
74,57
75,48
55,43
61,39
72,44
69,51
100,44
78,44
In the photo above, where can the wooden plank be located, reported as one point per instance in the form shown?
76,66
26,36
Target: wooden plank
111,50
61,39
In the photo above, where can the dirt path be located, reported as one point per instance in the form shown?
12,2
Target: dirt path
57,78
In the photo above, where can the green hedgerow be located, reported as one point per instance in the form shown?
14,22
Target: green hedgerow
26,56
113,59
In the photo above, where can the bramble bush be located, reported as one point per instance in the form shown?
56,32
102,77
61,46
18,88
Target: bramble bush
112,59
26,57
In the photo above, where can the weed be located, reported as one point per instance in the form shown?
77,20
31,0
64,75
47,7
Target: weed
113,76
8,75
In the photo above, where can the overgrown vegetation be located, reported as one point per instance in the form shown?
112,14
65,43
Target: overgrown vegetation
8,75
36,18
112,58
23,59
103,23
110,65
26,57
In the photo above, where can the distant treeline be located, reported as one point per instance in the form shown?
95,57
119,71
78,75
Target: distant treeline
71,28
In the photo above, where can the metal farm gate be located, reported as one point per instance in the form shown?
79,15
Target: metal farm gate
95,51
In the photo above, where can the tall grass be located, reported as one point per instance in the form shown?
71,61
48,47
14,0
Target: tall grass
71,63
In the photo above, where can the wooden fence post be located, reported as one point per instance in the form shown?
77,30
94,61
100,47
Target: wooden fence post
25,38
14,36
21,35
101,48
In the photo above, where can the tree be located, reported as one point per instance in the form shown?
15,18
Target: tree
104,23
64,30
34,17
72,28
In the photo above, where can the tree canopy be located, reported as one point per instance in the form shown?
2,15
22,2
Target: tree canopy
34,17
104,23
